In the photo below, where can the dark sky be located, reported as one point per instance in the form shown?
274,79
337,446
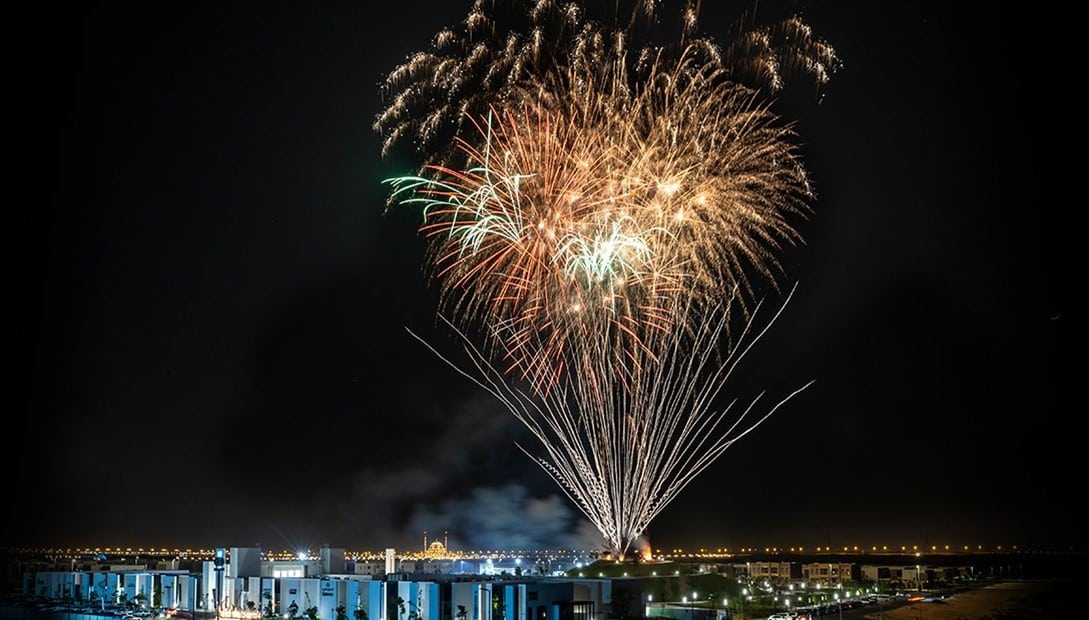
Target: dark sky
209,326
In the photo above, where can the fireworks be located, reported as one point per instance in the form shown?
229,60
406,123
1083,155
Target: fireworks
498,48
602,210
597,212
622,455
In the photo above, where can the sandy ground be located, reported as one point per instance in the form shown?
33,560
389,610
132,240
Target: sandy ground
1011,600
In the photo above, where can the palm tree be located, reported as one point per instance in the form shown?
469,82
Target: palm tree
401,607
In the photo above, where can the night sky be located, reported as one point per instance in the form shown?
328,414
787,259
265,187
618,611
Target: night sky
212,301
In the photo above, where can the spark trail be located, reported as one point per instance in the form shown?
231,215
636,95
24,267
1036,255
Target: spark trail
622,456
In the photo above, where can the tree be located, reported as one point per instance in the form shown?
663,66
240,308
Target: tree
415,611
401,607
342,613
102,586
462,613
360,614
620,606
268,611
293,610
312,613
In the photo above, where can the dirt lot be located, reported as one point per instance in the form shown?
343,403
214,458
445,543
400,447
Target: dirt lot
1011,600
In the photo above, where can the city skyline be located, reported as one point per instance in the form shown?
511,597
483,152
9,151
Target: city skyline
214,300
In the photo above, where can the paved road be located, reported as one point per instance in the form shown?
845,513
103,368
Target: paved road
870,612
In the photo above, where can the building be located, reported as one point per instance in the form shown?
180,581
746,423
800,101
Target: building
774,571
828,572
244,585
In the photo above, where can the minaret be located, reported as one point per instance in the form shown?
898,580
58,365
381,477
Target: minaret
445,542
425,541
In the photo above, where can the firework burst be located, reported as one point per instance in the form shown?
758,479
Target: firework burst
503,44
601,209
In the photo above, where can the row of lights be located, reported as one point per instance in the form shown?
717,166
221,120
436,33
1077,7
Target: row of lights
550,555
69,551
829,549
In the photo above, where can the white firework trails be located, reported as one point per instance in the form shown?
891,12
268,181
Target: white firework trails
622,455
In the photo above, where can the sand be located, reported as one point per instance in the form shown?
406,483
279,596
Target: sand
1010,600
